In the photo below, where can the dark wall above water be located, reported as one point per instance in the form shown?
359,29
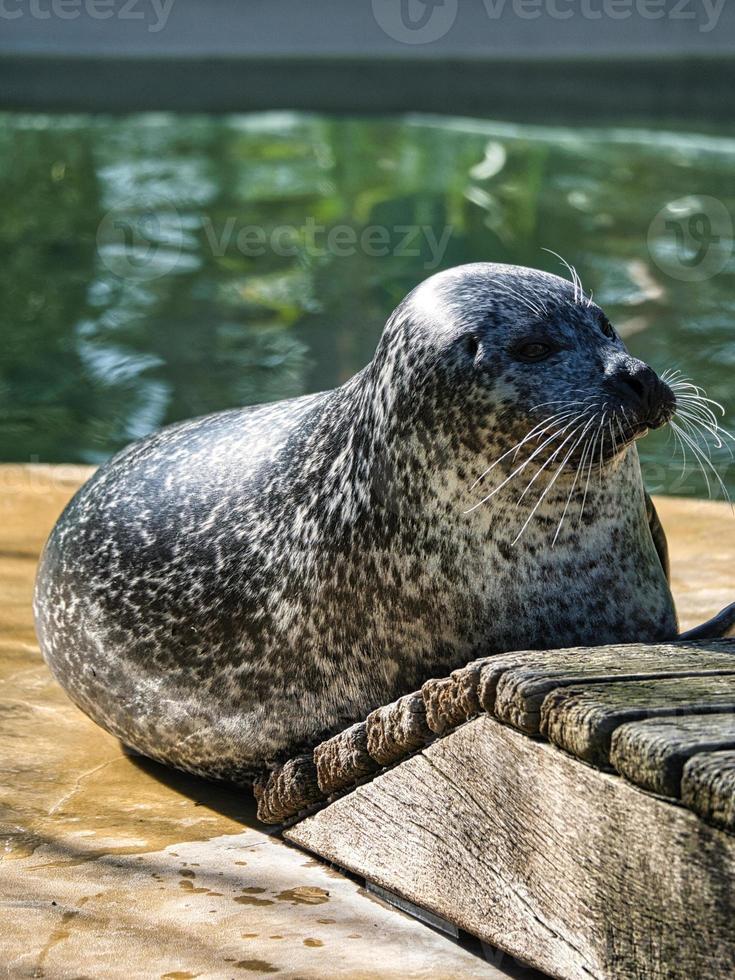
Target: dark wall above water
519,58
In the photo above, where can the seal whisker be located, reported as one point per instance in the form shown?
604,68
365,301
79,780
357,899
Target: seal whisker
670,374
539,299
700,413
576,281
698,424
602,454
536,431
548,487
685,458
697,409
690,390
524,464
562,401
589,474
704,446
513,294
687,440
580,466
621,430
551,459
612,436
703,461
697,397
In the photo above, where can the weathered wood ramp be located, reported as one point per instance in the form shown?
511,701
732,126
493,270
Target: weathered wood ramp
525,841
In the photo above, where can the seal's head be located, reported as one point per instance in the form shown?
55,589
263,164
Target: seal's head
490,356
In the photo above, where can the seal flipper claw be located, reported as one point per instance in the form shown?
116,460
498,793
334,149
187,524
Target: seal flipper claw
720,627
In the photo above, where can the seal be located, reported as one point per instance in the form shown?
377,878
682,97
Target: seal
238,587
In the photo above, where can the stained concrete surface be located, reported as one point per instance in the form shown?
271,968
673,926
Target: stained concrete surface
114,867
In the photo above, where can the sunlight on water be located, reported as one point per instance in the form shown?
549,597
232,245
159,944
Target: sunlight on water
159,267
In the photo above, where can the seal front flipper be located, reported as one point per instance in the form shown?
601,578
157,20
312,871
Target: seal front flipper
722,625
659,537
719,627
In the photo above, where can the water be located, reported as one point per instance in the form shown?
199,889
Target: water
158,267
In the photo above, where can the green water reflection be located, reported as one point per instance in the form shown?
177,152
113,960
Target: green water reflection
159,267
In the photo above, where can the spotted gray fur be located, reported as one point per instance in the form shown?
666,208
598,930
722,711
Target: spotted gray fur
235,588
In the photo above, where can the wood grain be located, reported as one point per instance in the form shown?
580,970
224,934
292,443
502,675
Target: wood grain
708,787
513,686
343,760
397,729
450,701
582,719
572,870
652,753
287,790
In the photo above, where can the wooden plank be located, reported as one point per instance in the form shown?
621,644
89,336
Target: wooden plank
574,871
288,789
450,701
582,719
397,729
708,787
344,759
513,687
652,753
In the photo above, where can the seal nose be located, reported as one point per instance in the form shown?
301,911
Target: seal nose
640,389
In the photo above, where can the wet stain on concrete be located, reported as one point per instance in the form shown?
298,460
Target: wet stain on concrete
257,966
188,886
59,934
304,895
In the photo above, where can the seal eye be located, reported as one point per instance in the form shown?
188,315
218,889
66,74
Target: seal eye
472,345
535,351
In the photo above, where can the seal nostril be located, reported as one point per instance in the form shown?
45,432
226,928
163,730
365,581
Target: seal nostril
637,385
